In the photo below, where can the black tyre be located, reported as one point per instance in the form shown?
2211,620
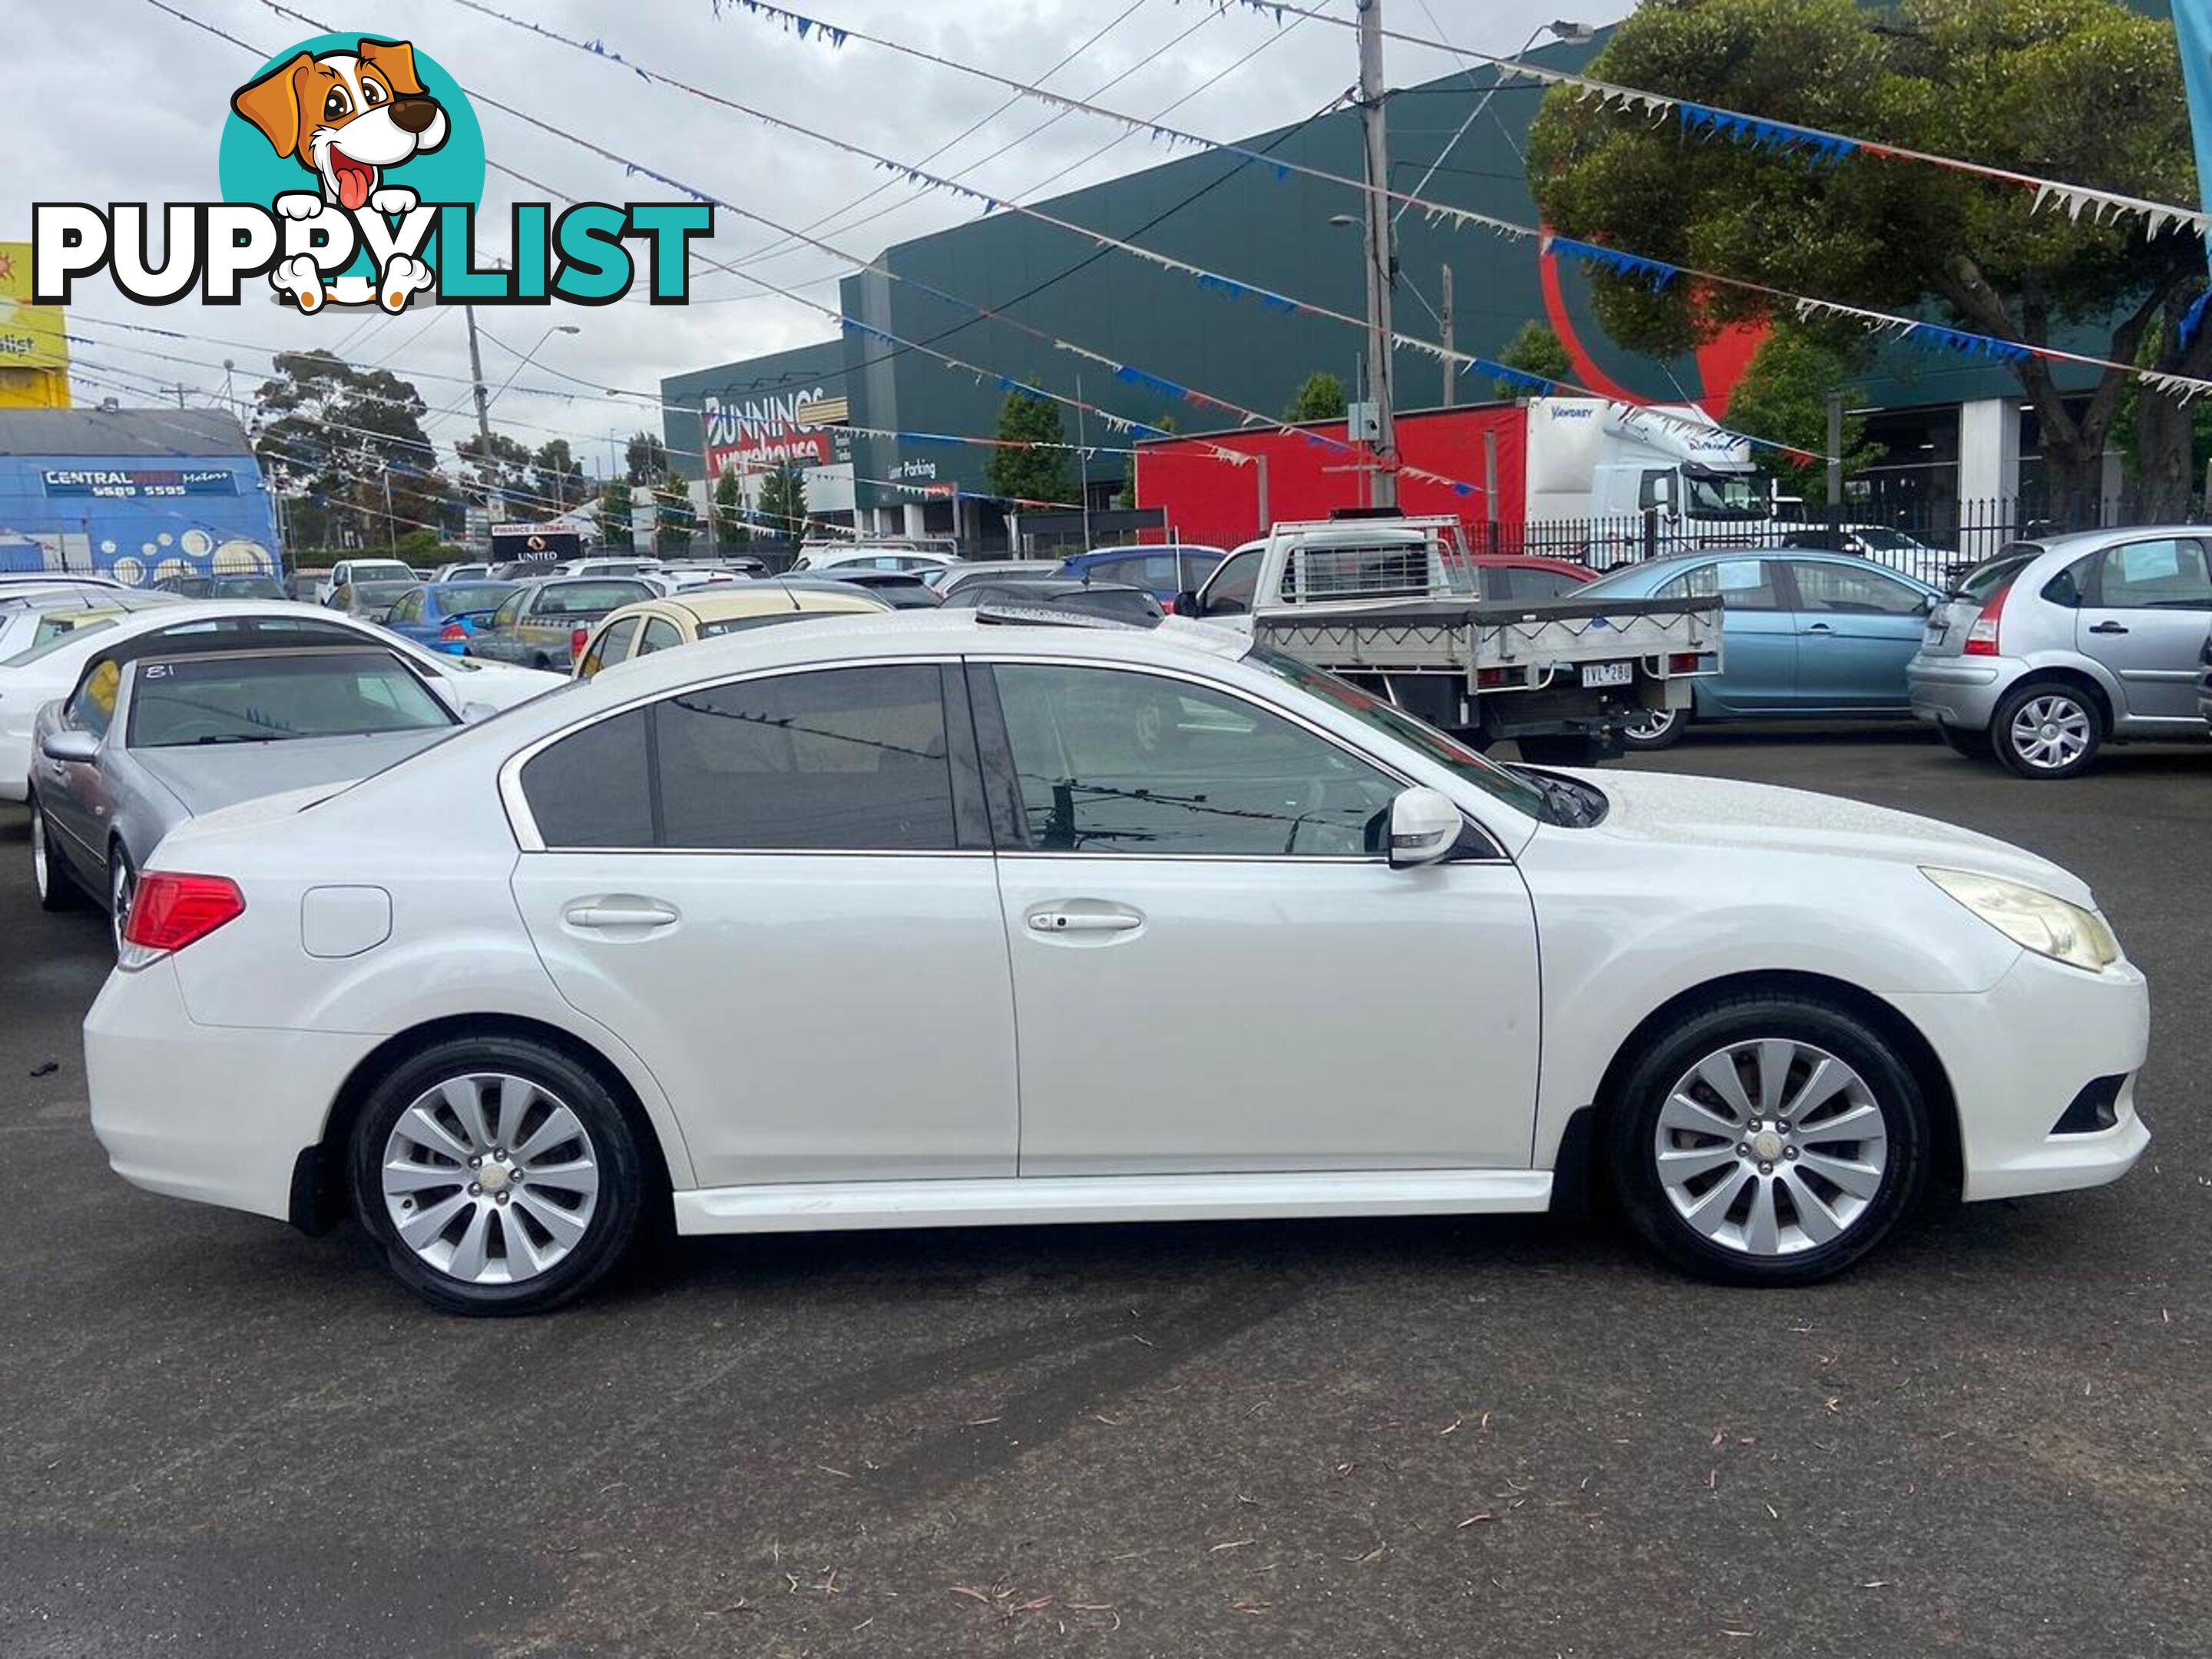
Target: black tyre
122,889
1964,740
1767,1139
1656,729
2047,730
500,1176
49,873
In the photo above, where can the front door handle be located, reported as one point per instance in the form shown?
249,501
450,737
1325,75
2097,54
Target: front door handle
1051,920
607,913
2109,627
1819,628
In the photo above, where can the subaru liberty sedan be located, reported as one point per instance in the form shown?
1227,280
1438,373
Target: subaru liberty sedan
486,1001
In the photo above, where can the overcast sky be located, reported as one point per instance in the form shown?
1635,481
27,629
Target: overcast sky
113,101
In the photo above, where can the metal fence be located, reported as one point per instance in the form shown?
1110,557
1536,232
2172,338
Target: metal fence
1940,542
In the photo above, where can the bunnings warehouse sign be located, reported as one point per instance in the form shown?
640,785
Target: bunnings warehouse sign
137,485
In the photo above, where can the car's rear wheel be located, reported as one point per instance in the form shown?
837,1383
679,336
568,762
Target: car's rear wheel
56,890
1768,1139
500,1176
2048,730
1964,740
1655,728
122,889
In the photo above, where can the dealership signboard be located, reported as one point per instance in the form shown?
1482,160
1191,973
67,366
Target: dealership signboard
799,427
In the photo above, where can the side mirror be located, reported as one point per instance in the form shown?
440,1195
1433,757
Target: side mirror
79,748
1425,826
473,712
1928,602
1186,604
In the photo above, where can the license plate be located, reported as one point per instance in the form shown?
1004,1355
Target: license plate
1608,673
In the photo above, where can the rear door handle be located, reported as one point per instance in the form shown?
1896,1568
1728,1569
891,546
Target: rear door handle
604,913
1819,628
1052,920
2109,627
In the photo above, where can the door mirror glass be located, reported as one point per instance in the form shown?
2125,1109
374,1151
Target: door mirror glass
79,747
1187,603
1425,826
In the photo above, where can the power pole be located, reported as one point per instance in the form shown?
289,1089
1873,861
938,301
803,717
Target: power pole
1444,326
490,462
1380,334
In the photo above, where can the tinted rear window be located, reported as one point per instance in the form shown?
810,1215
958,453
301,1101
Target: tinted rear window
593,789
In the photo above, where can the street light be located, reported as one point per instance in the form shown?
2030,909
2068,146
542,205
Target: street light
557,328
1568,34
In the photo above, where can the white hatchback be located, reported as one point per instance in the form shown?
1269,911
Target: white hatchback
1175,929
31,681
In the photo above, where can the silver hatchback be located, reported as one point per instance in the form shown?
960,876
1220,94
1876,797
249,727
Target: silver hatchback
2055,647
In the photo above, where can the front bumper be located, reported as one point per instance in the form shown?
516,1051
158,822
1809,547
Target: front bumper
219,1114
1959,692
2017,1056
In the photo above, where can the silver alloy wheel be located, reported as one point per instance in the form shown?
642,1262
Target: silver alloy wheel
2051,732
122,887
1771,1146
1651,725
489,1178
41,870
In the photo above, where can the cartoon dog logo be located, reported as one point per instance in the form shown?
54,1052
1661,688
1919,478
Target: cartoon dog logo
348,118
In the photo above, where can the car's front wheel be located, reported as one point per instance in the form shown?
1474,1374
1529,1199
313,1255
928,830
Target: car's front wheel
55,888
1768,1139
2048,730
500,1176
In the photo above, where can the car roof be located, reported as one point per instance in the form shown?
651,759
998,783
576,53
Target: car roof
1052,585
764,599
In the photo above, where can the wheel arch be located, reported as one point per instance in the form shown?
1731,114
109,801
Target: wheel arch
318,1196
2066,674
1578,1173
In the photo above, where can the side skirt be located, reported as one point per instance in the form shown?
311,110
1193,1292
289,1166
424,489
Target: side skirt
1033,1201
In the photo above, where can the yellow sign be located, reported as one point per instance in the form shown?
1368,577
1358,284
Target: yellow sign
33,353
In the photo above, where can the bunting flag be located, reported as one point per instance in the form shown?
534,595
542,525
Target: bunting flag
1657,273
1821,145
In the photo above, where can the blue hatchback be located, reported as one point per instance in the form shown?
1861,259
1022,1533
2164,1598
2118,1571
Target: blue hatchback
444,615
1805,635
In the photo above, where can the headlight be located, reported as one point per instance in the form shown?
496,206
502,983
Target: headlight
2034,919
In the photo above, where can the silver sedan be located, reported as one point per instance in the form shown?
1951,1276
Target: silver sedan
144,743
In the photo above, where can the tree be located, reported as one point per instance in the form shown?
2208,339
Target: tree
329,435
1535,349
674,517
783,503
2075,89
730,529
1320,399
646,457
1031,475
556,477
1784,395
615,510
504,472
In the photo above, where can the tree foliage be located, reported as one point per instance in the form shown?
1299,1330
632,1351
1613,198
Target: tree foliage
1534,350
783,503
646,457
503,470
1321,398
674,517
556,479
1784,395
1034,474
730,529
617,500
330,434
2087,90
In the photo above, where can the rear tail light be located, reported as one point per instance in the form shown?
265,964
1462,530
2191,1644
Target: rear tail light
577,638
1683,662
1982,637
1489,676
1167,607
169,912
453,633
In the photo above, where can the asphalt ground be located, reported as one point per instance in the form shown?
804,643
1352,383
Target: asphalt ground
1433,1438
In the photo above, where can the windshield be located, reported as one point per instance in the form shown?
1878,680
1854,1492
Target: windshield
481,596
380,570
55,642
1888,541
248,587
1417,735
238,699
1727,495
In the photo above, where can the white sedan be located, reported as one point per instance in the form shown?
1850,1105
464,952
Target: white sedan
1176,928
29,681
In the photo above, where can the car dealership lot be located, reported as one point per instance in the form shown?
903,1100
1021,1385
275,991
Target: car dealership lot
1320,1437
